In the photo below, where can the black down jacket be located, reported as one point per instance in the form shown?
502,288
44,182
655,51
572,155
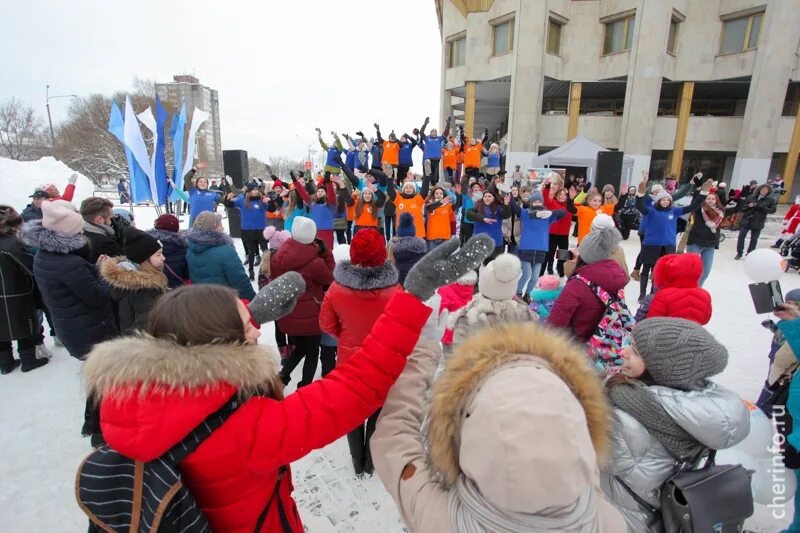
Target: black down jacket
174,246
17,290
135,288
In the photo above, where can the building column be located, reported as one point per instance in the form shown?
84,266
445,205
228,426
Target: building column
574,109
790,161
684,107
469,109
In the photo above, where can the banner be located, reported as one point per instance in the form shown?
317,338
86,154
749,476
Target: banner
138,179
160,159
148,120
198,117
134,141
176,131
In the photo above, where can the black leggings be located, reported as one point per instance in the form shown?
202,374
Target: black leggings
342,236
402,172
557,242
327,357
466,231
281,339
22,344
435,171
254,243
638,264
388,226
305,346
358,442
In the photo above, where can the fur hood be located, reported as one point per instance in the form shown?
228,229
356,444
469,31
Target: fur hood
140,278
365,278
201,239
410,245
482,354
178,239
36,235
146,361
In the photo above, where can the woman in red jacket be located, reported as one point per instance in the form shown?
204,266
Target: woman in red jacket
155,390
361,289
678,293
308,256
557,197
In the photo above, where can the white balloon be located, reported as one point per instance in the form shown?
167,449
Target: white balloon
760,438
772,482
763,265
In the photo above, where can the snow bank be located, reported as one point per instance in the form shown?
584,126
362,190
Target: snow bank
18,180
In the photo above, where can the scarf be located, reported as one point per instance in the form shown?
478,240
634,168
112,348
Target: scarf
634,398
471,513
712,216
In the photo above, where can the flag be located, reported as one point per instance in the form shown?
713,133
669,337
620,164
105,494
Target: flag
135,142
159,156
176,131
198,117
136,177
149,122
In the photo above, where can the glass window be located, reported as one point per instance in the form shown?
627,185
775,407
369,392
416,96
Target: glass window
554,37
503,38
456,51
618,36
673,36
741,34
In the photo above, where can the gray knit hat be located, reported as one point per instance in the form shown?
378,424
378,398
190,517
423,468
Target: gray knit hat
207,221
601,241
678,353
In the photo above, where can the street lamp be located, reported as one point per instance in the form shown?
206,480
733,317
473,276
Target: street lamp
49,118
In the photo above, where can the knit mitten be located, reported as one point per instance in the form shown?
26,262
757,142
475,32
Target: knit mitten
446,263
278,298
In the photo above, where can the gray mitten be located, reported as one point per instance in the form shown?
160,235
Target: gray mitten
278,298
446,264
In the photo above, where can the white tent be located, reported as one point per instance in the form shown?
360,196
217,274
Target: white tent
580,152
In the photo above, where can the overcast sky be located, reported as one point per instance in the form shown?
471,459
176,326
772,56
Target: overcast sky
281,68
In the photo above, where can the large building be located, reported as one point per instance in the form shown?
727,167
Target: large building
679,85
209,143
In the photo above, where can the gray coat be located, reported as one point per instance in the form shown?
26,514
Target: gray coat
715,416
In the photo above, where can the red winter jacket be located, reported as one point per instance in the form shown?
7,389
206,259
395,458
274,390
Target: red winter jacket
577,307
354,302
563,225
678,295
234,472
454,297
317,271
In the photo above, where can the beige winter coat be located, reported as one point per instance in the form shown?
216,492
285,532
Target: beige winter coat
421,484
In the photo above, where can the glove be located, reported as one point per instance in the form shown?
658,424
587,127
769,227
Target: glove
278,298
544,213
73,179
437,323
446,264
706,188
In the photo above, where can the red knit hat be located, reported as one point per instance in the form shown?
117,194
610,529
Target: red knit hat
167,223
368,248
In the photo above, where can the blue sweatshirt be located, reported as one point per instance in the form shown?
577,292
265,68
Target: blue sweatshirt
200,201
322,215
495,231
254,218
536,231
662,225
406,149
493,160
377,154
433,147
351,159
330,159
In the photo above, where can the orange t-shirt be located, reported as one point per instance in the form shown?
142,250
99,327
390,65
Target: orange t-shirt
351,209
414,206
391,153
472,156
440,222
366,218
449,157
586,216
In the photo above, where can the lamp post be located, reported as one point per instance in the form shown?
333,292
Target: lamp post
49,118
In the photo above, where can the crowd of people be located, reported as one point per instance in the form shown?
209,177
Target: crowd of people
451,318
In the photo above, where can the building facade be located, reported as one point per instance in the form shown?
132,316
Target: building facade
679,85
209,143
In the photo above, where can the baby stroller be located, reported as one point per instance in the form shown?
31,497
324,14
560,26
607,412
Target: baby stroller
790,249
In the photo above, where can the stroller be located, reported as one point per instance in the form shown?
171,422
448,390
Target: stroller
790,249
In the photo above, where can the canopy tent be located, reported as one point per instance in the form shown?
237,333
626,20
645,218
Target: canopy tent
581,152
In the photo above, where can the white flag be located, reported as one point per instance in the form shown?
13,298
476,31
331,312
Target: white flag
134,141
146,117
198,117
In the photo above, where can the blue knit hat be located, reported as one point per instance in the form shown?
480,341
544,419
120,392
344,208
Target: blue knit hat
536,196
406,226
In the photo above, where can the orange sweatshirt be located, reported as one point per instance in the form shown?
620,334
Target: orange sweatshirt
391,152
449,157
586,215
366,218
472,156
351,209
440,222
414,206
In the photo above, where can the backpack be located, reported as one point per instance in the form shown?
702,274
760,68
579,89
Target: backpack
613,331
120,494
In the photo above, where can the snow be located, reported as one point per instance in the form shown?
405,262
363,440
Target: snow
21,178
43,410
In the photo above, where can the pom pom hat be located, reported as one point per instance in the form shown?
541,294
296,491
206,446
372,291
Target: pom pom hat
368,248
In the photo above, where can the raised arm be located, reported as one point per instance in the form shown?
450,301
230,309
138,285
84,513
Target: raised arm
515,208
329,189
422,129
426,185
180,192
300,187
321,142
378,132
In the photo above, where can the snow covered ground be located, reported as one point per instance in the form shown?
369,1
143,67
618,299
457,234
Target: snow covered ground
42,411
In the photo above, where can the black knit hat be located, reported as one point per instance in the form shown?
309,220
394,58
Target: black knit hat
138,245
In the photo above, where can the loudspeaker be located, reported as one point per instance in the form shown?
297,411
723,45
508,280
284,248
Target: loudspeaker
234,222
236,166
609,170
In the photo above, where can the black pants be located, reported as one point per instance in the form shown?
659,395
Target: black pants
466,231
435,171
650,256
754,233
254,243
305,347
22,344
402,172
49,322
638,264
388,226
342,236
472,172
327,356
358,442
557,242
281,339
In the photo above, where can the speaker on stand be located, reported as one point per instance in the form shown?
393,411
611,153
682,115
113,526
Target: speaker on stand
609,170
236,166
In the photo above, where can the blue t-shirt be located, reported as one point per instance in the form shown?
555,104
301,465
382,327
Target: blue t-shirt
406,150
433,147
493,160
254,218
322,215
330,160
200,201
536,231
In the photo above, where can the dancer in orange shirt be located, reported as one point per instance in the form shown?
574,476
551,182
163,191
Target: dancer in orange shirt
441,218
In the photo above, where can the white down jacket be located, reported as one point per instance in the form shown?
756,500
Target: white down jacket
714,415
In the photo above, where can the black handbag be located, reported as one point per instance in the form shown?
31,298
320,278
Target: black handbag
712,499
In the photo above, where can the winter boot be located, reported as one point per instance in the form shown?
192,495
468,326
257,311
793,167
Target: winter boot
7,362
252,274
635,274
427,167
355,441
258,260
43,353
29,360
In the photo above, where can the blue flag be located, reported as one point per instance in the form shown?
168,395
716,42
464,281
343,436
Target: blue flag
177,131
161,164
139,187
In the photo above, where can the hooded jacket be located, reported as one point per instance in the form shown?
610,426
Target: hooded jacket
678,295
17,291
579,309
174,248
354,302
404,252
755,217
134,288
317,271
76,296
420,481
155,392
713,415
212,259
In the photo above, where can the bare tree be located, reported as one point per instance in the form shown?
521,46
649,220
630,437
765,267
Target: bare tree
21,131
281,166
258,169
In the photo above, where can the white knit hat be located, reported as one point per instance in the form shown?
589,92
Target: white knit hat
341,253
62,217
498,280
304,230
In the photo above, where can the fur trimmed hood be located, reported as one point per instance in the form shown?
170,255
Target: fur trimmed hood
178,239
365,278
200,239
122,276
487,351
410,245
36,235
144,361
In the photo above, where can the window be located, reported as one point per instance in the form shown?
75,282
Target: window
554,37
503,37
741,34
619,35
673,36
456,50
